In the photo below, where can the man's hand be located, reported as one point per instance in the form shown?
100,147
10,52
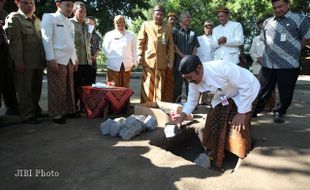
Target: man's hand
222,40
52,66
75,67
179,119
93,58
170,66
238,121
140,60
134,67
20,68
259,60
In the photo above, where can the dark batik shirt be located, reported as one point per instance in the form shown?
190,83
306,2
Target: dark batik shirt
282,37
95,41
185,40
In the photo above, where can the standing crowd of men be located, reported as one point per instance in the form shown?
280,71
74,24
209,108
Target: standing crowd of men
170,54
68,48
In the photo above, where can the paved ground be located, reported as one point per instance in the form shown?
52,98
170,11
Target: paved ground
79,157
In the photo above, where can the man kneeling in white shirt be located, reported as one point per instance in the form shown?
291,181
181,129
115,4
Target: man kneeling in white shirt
228,123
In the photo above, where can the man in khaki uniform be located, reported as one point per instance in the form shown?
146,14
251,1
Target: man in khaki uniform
26,49
156,54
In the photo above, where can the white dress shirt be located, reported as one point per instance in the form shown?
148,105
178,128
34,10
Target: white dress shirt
257,50
204,51
58,38
120,48
234,34
224,78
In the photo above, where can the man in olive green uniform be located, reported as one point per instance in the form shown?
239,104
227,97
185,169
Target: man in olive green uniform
26,49
83,76
7,87
156,54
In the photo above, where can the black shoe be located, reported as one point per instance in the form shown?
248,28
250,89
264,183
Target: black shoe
60,120
278,118
11,111
73,115
42,115
31,120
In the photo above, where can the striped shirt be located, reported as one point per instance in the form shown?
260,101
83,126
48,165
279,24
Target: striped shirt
185,40
282,37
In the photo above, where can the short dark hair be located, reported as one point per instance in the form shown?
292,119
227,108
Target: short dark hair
260,20
189,63
78,5
91,18
285,1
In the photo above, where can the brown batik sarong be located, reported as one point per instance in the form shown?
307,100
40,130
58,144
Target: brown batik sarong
219,135
169,84
152,84
61,90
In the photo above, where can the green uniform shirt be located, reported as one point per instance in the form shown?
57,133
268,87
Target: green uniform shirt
82,42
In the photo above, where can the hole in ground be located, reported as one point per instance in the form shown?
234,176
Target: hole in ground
187,145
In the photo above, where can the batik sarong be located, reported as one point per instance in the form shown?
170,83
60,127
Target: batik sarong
169,86
61,99
152,84
219,134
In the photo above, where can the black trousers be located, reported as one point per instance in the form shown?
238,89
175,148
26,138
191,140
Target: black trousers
82,77
93,72
285,80
178,83
7,82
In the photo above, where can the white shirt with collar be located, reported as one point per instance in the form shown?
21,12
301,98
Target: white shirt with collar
224,78
257,50
234,34
58,38
204,51
120,48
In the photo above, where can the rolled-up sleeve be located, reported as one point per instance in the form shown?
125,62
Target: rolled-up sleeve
192,99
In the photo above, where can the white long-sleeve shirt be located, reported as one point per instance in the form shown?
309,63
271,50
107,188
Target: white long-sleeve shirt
204,51
120,48
220,78
58,38
257,50
234,34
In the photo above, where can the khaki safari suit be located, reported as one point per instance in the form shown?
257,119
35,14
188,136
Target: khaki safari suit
26,49
155,45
